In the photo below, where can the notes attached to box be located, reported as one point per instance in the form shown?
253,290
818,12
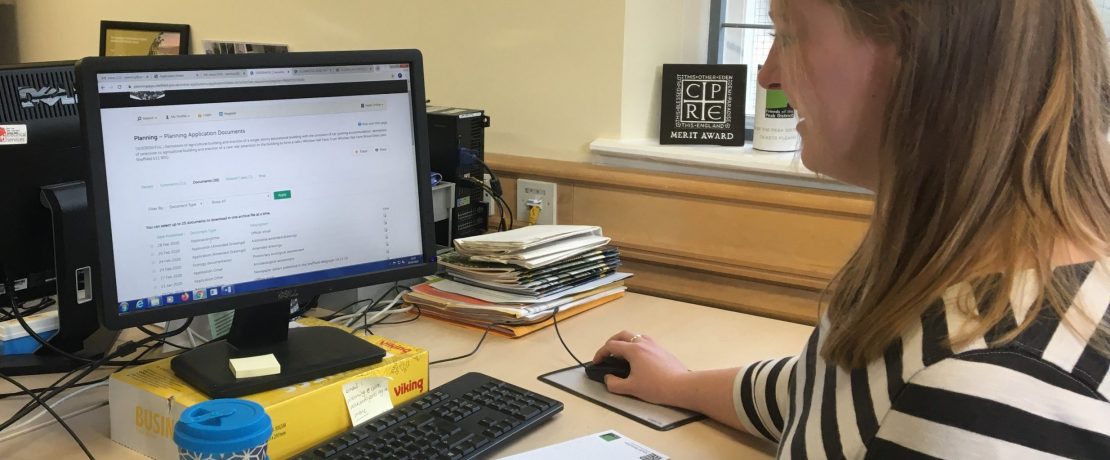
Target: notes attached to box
367,398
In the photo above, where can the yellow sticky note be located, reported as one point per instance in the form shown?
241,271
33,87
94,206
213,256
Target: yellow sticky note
367,398
254,366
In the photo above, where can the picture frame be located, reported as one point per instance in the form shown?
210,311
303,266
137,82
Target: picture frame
233,47
122,38
703,104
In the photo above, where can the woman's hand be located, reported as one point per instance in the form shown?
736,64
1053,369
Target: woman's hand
658,377
655,373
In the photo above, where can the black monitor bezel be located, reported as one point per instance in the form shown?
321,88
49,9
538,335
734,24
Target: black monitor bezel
105,286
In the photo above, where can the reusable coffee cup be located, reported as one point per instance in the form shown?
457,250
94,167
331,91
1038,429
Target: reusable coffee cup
776,122
223,429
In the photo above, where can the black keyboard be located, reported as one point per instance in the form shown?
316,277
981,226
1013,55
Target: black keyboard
460,419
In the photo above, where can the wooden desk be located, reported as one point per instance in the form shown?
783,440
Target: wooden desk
702,337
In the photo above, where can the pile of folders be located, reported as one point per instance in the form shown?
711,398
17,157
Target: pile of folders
522,280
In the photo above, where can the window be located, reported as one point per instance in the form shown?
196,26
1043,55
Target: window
740,33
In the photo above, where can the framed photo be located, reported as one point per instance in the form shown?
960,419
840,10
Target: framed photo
118,38
703,104
228,47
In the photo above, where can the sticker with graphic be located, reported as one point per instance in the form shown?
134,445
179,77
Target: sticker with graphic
703,101
778,106
52,96
13,134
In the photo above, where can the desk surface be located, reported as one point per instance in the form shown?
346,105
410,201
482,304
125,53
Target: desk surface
702,337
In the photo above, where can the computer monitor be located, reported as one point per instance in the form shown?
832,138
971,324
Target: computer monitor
254,183
40,144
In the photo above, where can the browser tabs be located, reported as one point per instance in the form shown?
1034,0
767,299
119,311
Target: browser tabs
234,78
221,73
167,75
259,72
122,77
313,70
355,68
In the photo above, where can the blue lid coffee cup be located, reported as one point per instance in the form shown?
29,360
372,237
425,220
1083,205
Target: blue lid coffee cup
223,429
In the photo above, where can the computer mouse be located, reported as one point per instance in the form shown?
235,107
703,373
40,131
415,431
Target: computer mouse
611,365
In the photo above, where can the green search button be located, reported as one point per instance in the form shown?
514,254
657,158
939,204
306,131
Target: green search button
283,194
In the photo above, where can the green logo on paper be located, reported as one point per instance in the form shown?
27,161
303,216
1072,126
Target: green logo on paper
776,99
777,105
610,437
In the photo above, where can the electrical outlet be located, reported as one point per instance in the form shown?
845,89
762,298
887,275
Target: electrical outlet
544,192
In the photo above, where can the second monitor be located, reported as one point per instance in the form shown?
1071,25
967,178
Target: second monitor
255,183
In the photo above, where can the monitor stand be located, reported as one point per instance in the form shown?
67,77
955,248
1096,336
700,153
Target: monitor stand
305,353
79,329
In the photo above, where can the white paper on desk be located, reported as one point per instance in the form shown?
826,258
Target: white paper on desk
538,311
609,445
547,254
490,295
524,237
366,398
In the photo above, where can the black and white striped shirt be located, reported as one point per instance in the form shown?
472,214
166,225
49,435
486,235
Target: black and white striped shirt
1045,395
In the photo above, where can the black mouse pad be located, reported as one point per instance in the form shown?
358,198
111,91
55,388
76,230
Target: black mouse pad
574,381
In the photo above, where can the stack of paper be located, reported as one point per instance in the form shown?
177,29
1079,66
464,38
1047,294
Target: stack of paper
547,279
516,280
533,246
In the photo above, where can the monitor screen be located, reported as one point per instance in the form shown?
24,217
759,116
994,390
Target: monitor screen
221,182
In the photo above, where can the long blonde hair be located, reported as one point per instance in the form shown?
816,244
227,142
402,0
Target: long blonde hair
994,151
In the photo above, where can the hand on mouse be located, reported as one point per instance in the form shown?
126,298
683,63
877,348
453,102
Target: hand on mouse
655,371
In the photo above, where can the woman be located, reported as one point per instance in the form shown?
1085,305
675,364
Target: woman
973,319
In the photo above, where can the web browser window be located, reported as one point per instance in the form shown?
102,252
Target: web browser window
222,182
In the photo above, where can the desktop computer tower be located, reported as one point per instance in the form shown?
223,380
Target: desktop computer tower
456,141
45,245
40,145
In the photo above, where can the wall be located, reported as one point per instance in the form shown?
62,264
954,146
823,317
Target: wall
657,32
549,73
756,248
9,46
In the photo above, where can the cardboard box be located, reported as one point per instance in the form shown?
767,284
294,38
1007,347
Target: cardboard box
146,401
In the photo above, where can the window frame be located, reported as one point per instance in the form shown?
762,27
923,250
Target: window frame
717,28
